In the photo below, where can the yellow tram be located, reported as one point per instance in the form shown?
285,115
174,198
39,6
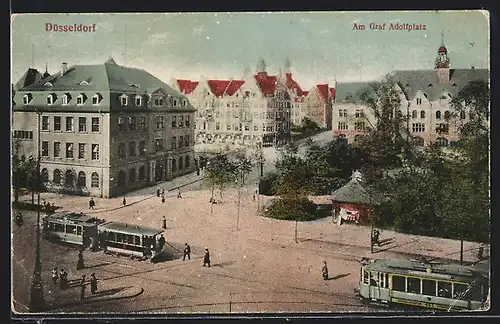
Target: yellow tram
413,283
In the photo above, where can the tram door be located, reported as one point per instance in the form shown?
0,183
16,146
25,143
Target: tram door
375,283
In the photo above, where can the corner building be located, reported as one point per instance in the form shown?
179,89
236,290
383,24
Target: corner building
103,130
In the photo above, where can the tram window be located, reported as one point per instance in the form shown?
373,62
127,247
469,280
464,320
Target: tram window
111,237
71,229
474,292
58,228
414,285
444,289
366,276
428,287
51,226
374,279
78,230
130,239
398,283
137,240
119,237
459,290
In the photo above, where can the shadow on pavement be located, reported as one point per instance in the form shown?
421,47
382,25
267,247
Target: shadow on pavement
107,292
340,276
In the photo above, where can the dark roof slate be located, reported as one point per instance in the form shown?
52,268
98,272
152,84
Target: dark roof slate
354,193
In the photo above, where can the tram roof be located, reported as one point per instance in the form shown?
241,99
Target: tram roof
130,229
74,217
418,268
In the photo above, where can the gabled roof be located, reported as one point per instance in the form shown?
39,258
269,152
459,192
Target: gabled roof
354,193
267,84
187,86
293,85
31,76
323,90
218,87
234,86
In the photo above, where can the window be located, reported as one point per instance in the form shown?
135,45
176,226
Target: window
359,126
459,290
82,124
96,99
342,126
442,142
81,150
187,162
462,114
121,150
94,180
442,128
414,114
256,128
366,276
447,115
131,176
71,229
186,141
419,101
174,143
50,99
95,124
175,102
80,99
132,124
138,101
57,149
217,126
44,175
418,141
398,283
174,121
418,127
124,100
121,126
438,114
422,114
45,148
142,147
27,98
69,150
82,179
188,121
181,121
65,99
247,127
158,101
95,151
142,123
429,287
357,113
69,124
132,149
228,127
160,122
159,144
56,177
181,141
174,165
413,285
57,123
45,123
181,160
142,173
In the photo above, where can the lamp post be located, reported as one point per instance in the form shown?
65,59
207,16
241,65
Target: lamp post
36,297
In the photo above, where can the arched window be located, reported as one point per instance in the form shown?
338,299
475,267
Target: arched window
357,113
442,142
132,149
358,138
82,179
187,162
142,173
414,114
422,114
174,165
438,114
45,175
69,179
131,176
462,114
345,112
447,115
94,180
122,176
181,163
418,141
56,178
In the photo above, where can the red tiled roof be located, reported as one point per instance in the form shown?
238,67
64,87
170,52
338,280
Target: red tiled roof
234,86
292,84
187,86
266,83
218,87
305,93
323,89
332,92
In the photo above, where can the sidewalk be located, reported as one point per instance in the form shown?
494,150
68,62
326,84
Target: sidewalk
57,299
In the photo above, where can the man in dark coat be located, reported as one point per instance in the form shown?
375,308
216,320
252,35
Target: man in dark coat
324,270
83,286
164,223
206,258
55,276
158,193
63,279
187,252
80,265
124,202
161,242
93,284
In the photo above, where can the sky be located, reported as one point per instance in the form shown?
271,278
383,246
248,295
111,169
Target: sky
321,46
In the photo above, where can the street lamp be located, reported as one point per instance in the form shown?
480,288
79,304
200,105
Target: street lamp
36,298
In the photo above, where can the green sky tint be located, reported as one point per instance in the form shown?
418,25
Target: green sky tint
322,46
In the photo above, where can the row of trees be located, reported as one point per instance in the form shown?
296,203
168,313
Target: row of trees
428,191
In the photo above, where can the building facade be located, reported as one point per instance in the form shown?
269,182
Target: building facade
425,100
103,130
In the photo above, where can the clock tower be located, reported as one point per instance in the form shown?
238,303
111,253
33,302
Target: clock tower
442,63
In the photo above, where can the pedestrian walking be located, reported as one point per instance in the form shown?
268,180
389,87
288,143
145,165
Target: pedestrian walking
187,252
153,253
19,219
163,191
80,265
91,203
179,193
55,276
375,237
253,196
93,284
164,223
480,252
162,198
324,270
206,258
158,193
83,286
63,279
161,242
124,202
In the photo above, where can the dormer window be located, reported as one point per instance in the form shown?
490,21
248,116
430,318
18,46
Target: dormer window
159,101
419,101
27,98
84,83
407,85
96,99
454,85
133,85
51,98
184,102
175,102
66,98
80,100
124,100
138,101
430,85
47,84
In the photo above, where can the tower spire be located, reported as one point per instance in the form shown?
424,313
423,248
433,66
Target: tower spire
46,68
442,38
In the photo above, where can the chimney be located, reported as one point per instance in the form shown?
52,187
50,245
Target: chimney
64,68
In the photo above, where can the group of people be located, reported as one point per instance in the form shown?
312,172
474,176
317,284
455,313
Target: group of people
187,253
61,276
161,193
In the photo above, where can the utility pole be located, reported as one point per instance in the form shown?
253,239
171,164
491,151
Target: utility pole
461,249
296,226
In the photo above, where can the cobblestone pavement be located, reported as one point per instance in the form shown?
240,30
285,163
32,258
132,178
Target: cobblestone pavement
257,266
